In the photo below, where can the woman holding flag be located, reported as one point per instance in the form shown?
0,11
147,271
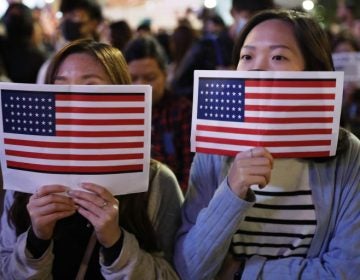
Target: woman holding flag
255,217
89,233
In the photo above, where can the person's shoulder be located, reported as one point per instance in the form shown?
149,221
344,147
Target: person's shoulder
162,179
353,147
160,171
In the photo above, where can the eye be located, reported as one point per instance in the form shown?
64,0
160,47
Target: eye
245,57
279,57
150,78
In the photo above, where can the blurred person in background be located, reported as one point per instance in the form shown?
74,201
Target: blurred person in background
243,10
214,49
21,55
181,40
120,34
344,42
171,115
80,20
211,51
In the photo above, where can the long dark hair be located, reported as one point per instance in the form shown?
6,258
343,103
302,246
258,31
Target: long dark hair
312,41
133,212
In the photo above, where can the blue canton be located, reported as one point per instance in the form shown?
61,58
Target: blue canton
221,99
33,114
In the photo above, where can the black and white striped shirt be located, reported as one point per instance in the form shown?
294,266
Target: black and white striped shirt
282,222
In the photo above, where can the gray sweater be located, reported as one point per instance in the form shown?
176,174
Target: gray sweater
165,199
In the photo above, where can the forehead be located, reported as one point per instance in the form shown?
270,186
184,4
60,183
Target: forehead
83,61
274,30
144,64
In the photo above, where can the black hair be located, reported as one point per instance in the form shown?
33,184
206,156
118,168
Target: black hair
19,22
252,5
91,6
145,47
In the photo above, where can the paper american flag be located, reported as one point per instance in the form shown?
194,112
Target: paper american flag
73,134
292,113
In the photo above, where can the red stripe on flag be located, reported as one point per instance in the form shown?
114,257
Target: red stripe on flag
100,122
100,110
75,145
239,142
99,133
295,108
74,169
290,83
264,131
100,97
288,155
73,156
288,120
291,96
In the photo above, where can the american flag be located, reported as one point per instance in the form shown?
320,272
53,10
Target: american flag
74,133
293,114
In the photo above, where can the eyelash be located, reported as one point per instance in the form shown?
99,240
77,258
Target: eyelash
245,57
275,57
279,57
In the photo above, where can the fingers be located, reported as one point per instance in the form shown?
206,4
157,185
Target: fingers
96,199
50,189
250,167
257,152
48,199
48,205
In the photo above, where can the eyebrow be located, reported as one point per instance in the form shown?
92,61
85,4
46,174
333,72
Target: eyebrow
272,47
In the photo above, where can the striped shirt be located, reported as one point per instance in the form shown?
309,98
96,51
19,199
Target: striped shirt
282,222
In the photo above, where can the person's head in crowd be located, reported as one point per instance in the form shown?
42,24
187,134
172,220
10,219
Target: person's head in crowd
181,40
80,19
214,24
243,10
93,63
162,36
345,13
344,42
147,63
120,33
18,22
306,37
144,27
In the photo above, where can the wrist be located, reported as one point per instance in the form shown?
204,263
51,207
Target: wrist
36,245
114,238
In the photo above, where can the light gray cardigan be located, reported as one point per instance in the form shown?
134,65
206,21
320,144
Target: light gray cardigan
165,200
212,212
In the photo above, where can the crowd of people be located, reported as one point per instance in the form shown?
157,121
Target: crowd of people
204,216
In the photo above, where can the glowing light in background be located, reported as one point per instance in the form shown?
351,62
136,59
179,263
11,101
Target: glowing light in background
3,6
210,4
308,5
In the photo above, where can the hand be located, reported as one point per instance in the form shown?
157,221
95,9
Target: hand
101,209
249,168
46,206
